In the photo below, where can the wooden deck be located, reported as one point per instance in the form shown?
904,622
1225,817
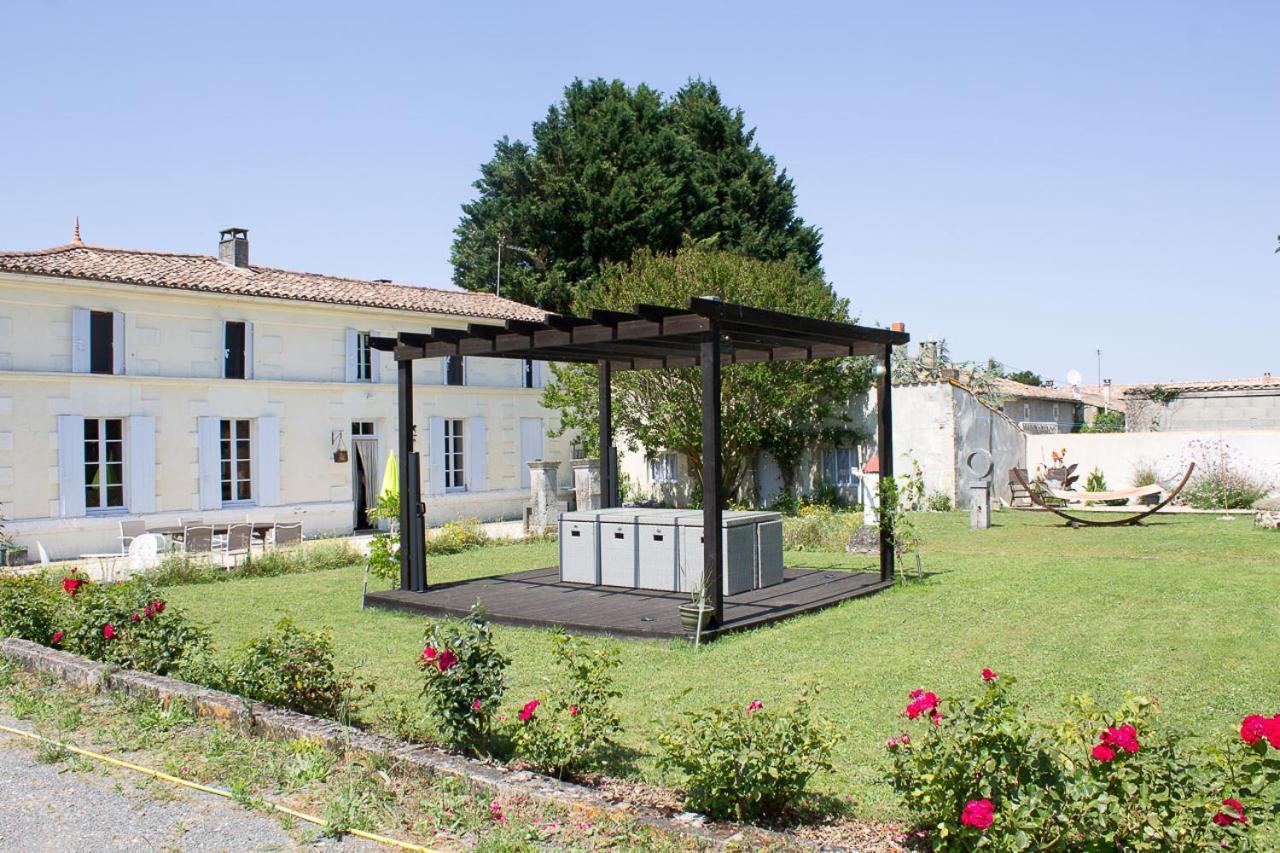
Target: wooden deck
537,598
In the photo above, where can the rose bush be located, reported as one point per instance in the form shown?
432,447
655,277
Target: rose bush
293,668
983,775
464,678
571,728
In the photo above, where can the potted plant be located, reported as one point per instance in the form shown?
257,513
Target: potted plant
696,616
10,554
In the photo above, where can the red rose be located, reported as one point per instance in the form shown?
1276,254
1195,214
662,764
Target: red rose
574,710
923,701
1222,818
1271,731
72,585
108,631
526,713
978,813
134,617
1253,727
446,660
475,706
57,638
1125,737
755,705
988,675
1103,753
428,654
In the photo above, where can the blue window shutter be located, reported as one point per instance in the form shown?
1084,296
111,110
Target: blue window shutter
267,488
477,456
117,343
141,462
350,354
70,465
209,453
79,340
435,455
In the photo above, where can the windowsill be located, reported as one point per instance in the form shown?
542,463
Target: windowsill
238,504
457,490
109,511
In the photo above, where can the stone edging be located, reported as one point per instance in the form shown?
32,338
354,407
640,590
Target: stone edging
269,721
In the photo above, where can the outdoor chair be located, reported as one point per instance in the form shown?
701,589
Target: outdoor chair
130,529
44,555
239,540
144,552
197,539
286,535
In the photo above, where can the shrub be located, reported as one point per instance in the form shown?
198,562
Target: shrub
28,607
454,537
979,773
746,762
293,668
569,729
938,502
1224,488
464,677
828,495
1144,474
815,528
176,569
1097,482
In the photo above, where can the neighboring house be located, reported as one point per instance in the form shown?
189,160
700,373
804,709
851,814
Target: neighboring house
1248,404
1049,409
181,386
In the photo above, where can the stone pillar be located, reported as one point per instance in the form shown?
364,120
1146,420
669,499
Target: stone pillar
980,507
586,482
543,477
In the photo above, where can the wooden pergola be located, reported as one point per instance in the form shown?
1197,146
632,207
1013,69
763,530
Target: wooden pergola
708,334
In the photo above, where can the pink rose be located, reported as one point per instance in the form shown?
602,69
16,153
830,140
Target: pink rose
978,813
1103,753
988,675
446,660
526,713
755,705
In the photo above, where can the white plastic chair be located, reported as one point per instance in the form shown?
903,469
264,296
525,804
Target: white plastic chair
43,554
130,529
144,552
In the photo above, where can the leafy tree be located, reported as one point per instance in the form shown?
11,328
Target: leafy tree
611,170
780,408
1027,377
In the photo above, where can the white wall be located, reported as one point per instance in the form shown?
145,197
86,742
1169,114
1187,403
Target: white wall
1117,454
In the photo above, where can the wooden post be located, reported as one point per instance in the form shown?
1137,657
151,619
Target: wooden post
884,440
712,488
608,455
404,400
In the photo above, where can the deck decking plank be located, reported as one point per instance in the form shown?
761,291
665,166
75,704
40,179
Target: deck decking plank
537,598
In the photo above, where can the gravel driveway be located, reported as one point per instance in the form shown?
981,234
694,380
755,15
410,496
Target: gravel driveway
53,807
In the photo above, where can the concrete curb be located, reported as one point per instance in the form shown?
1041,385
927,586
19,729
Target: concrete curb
269,721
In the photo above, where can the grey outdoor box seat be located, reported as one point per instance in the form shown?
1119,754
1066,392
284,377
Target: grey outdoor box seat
619,547
580,546
659,542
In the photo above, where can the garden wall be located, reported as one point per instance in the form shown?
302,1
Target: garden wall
1117,454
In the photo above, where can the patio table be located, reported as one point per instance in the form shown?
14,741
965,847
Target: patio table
106,563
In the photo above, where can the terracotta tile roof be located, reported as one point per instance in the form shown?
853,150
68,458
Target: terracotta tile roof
207,274
1266,382
1009,388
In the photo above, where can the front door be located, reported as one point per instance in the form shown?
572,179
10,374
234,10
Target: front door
364,480
530,446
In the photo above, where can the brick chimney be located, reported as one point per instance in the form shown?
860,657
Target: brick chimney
233,247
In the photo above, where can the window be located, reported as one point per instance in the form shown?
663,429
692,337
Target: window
364,357
453,460
840,466
453,370
103,463
237,461
362,428
102,351
664,468
1026,411
528,375
1056,411
233,338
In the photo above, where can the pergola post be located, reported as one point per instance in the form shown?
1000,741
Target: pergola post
413,567
608,454
712,487
884,443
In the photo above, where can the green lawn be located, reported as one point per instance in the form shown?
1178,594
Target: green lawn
1185,609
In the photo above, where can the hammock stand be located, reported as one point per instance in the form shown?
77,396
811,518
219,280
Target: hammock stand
1076,521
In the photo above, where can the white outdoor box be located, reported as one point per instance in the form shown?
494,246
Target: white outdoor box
619,547
658,536
580,547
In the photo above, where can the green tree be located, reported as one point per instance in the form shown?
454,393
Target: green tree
611,170
780,408
1027,377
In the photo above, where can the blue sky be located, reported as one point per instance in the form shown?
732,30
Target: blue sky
1030,181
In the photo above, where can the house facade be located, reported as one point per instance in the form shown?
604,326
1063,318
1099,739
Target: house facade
1049,409
175,387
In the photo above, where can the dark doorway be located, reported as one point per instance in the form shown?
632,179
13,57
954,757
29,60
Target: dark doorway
234,337
364,473
102,351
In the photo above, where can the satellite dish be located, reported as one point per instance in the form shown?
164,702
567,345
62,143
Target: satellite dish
1074,377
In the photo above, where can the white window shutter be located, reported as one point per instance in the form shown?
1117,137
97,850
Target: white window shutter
117,343
475,456
209,452
537,374
444,371
267,462
248,350
435,455
351,355
70,465
79,340
375,361
141,462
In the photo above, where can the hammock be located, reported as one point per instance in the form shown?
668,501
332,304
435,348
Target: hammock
1076,521
1116,495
